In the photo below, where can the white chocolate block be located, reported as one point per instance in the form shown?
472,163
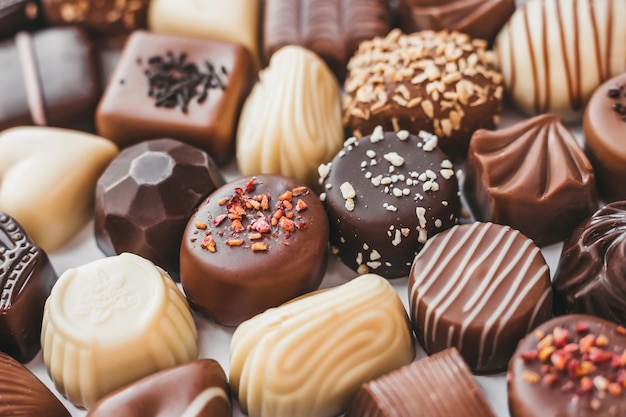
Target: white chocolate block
554,53
309,356
291,121
48,178
111,322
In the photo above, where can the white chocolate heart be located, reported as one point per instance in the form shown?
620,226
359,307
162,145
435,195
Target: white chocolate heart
47,180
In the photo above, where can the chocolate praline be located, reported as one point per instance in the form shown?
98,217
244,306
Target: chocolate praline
253,244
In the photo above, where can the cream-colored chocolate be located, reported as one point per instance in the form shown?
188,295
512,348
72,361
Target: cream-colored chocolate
291,122
47,180
554,53
232,20
111,322
310,356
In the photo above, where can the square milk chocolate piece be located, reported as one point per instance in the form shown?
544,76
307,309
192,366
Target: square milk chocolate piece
177,87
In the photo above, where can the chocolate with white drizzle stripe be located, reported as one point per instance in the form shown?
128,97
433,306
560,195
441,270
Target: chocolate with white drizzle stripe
480,288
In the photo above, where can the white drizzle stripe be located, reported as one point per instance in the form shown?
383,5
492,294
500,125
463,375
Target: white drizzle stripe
32,82
197,405
542,300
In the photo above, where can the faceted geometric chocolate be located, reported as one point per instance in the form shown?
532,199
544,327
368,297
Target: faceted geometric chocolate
26,278
197,389
570,366
23,394
532,176
591,276
439,386
480,288
146,196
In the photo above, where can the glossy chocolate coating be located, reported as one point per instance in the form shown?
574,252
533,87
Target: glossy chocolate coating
591,275
26,277
197,389
49,78
480,288
383,231
146,196
478,18
540,388
127,114
333,30
16,15
535,166
23,394
604,125
233,278
439,386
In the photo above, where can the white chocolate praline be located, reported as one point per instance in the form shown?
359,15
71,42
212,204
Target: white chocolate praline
309,356
113,321
291,122
554,53
47,180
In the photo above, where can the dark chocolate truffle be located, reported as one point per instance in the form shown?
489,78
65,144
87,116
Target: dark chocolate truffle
197,389
146,196
438,386
441,82
386,194
480,288
604,126
26,279
570,366
253,244
591,276
532,176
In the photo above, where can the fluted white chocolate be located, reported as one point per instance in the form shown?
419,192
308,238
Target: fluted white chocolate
47,180
309,357
111,322
554,53
291,122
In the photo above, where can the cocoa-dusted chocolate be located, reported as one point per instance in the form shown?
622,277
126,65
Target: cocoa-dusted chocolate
478,18
591,275
23,394
442,82
170,86
386,195
478,287
146,195
16,15
438,386
333,30
532,176
26,278
570,366
604,124
197,389
253,244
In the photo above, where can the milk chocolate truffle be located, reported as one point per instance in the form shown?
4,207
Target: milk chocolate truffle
480,288
111,322
386,195
478,18
49,78
23,394
169,86
291,122
309,357
47,180
16,15
333,30
535,166
440,82
604,126
570,366
26,277
197,389
253,244
554,53
146,195
439,386
591,275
